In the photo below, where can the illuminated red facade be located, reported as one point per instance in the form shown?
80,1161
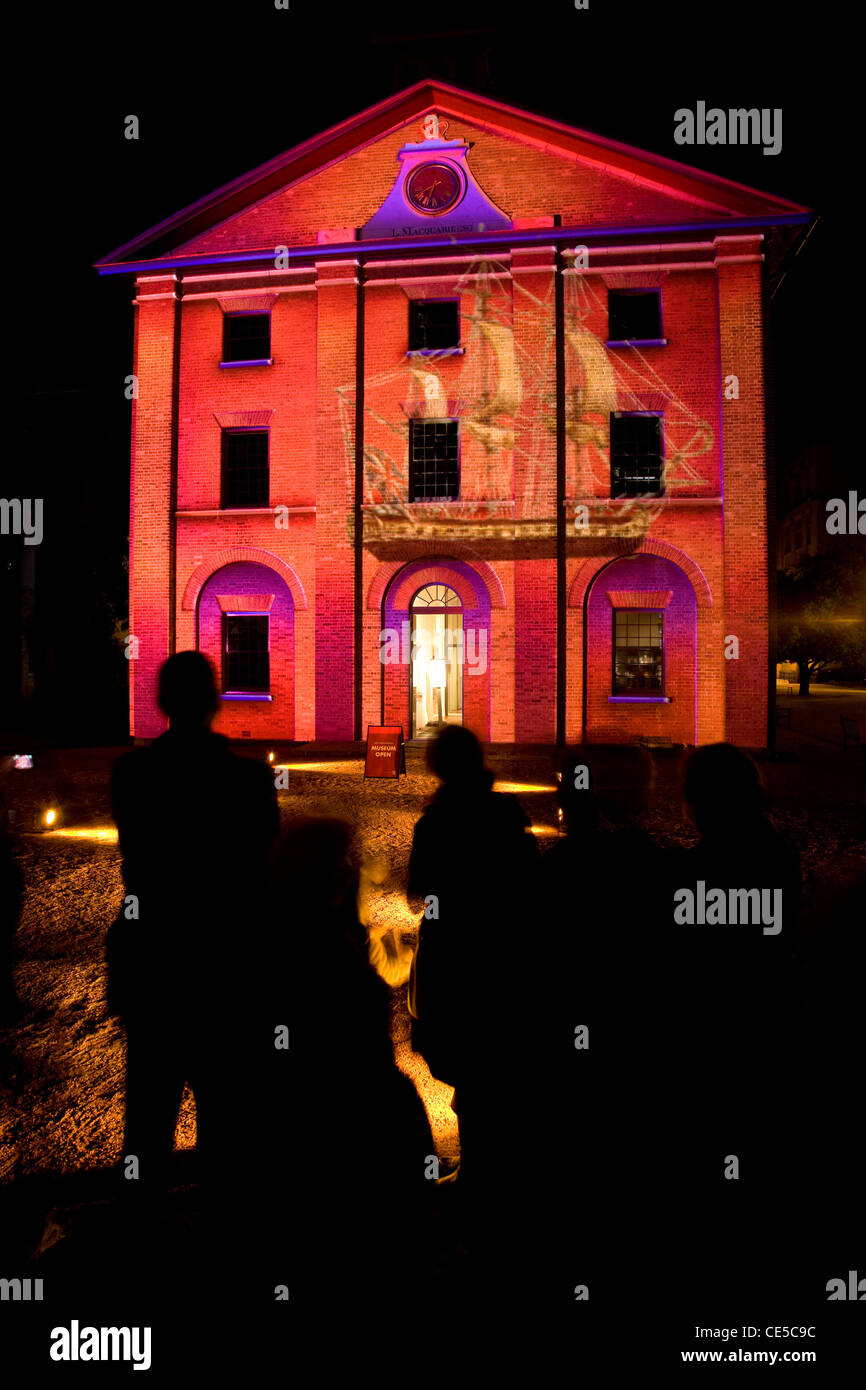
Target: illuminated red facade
455,371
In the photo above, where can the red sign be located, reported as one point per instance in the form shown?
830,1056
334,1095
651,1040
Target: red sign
386,752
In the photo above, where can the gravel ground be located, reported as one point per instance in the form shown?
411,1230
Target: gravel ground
61,1068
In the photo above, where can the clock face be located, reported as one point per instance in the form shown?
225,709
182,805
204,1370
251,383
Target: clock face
433,188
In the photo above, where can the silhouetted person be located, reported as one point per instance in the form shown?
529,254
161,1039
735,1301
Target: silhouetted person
185,957
471,867
601,878
825,1124
731,1010
600,902
349,1137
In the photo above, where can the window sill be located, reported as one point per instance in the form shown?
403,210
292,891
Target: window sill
636,342
647,498
244,695
251,362
245,511
435,352
639,699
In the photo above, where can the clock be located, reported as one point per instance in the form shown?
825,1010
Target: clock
433,188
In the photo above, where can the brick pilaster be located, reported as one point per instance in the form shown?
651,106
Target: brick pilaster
745,490
336,355
150,521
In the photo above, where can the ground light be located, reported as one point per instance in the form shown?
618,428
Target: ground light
521,788
105,834
337,767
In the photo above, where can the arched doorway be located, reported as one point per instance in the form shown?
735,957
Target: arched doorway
436,666
398,614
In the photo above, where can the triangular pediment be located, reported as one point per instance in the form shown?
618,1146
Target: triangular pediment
529,169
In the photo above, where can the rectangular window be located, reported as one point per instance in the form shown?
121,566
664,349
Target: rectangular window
638,666
434,323
245,472
434,460
634,316
246,659
636,463
246,337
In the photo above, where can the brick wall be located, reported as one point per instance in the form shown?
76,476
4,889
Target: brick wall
745,492
334,604
535,495
150,542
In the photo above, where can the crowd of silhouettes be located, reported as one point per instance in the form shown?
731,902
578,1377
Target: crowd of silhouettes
606,1060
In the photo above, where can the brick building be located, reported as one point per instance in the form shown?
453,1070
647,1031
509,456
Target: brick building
804,487
456,413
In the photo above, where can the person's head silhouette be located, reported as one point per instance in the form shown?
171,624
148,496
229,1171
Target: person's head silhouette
187,692
315,859
575,795
624,783
722,789
457,759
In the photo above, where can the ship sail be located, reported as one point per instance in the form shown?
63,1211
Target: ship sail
434,402
595,393
504,398
491,436
499,393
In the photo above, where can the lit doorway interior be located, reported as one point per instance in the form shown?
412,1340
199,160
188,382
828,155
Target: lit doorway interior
436,670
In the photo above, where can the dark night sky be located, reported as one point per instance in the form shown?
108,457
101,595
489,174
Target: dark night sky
219,90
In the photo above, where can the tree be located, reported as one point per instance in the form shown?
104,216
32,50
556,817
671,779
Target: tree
822,615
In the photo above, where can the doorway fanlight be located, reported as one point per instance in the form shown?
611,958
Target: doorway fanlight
436,596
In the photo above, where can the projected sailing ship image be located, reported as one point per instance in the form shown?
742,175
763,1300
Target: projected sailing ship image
492,389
